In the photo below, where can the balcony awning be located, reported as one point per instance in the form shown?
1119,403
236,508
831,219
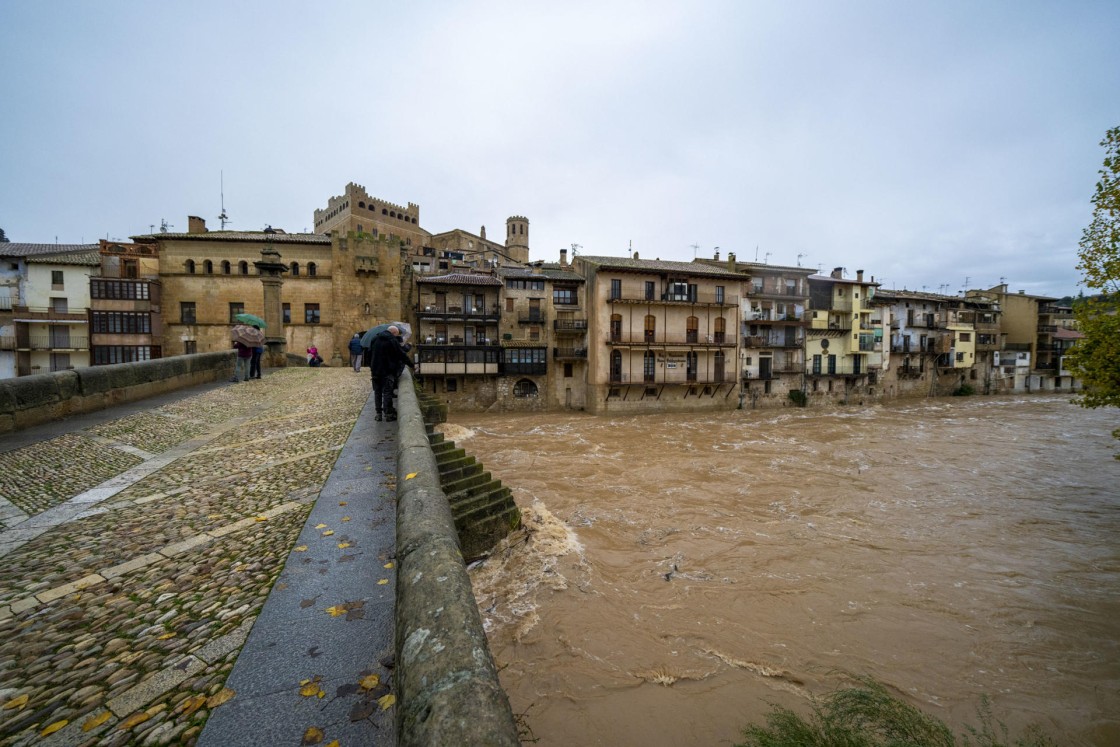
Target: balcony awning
52,321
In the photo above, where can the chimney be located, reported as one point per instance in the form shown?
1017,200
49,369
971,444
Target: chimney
563,257
837,273
717,256
859,276
537,268
732,265
195,224
482,232
635,255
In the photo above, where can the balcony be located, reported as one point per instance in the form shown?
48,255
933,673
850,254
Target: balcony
47,314
524,369
569,354
843,369
686,378
45,342
531,318
677,340
907,371
570,326
771,341
459,313
778,291
699,299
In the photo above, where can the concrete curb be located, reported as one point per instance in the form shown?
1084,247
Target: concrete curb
447,683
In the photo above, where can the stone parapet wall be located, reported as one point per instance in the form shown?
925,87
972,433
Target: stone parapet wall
447,683
41,398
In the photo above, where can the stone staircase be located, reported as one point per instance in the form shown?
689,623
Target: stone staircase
483,508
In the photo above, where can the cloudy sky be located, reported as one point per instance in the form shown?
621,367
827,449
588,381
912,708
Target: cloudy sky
927,143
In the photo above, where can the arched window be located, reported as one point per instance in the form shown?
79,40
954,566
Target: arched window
649,363
393,214
208,267
651,327
361,204
243,267
295,269
720,329
190,266
524,388
692,329
225,267
311,268
616,365
384,211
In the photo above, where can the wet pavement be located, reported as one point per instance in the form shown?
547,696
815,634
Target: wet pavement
139,546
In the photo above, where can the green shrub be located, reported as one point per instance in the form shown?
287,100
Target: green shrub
868,716
798,397
964,390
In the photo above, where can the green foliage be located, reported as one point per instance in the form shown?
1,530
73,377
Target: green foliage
3,237
868,716
964,390
1095,359
798,397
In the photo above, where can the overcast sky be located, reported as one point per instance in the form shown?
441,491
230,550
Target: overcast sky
925,143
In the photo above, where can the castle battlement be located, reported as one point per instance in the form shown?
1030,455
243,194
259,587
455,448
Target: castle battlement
355,198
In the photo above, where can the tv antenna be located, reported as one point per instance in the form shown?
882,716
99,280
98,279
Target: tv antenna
695,248
576,248
799,256
223,217
164,225
756,253
766,258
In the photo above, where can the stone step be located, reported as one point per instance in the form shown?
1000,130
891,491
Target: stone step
491,493
455,462
470,470
443,447
437,438
467,484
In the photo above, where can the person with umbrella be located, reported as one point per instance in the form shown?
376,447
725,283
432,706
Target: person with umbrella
387,360
245,339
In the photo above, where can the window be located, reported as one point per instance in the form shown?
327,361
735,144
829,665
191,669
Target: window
121,322
692,329
524,388
651,328
225,267
524,284
208,267
311,269
186,312
649,363
235,308
451,384
966,337
649,290
243,267
567,370
56,279
616,365
295,269
311,313
105,354
130,268
509,304
616,288
616,327
719,330
190,266
286,310
564,296
534,333
719,294
119,289
190,347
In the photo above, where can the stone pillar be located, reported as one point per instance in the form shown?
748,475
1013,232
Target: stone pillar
272,271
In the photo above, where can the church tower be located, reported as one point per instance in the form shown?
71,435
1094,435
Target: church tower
517,238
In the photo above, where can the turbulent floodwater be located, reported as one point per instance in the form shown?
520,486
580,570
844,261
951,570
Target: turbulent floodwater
683,572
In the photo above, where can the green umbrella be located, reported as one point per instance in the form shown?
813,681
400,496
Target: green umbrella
367,338
250,319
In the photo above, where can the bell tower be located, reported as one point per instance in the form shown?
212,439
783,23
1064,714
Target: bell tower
517,238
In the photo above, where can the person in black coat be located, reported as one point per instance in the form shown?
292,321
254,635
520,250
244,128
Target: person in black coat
387,360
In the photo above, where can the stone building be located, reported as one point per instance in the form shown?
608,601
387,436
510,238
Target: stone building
662,335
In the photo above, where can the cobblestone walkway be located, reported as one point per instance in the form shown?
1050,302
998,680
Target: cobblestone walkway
136,555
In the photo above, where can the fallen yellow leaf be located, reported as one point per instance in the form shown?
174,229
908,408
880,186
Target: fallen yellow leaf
53,727
190,705
165,636
332,743
343,545
328,533
410,475
388,565
262,518
301,548
382,582
346,518
322,694
304,682
342,503
370,681
386,701
336,610
96,721
310,690
137,718
19,702
219,697
313,735
320,526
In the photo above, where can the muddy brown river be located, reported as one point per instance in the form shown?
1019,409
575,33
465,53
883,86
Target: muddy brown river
683,572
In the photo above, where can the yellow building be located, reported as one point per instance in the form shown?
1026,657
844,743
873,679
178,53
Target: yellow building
125,319
843,346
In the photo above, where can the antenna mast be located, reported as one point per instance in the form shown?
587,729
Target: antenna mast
695,248
223,217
